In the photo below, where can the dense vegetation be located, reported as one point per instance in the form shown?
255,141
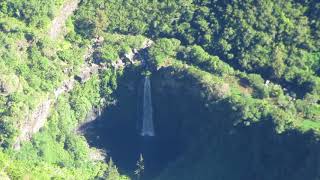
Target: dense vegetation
33,66
280,44
251,67
278,39
58,151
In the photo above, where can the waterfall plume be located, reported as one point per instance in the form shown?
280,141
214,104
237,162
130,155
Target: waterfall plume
147,118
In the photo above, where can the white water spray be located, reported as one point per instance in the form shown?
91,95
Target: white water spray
147,119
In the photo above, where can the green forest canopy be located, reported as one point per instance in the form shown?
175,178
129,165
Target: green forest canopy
244,44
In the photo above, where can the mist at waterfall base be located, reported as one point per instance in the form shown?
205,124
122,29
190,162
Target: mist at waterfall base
132,127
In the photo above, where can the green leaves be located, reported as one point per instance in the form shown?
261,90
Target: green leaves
163,51
33,12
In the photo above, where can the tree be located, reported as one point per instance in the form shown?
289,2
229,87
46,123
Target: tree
278,65
140,167
100,22
112,171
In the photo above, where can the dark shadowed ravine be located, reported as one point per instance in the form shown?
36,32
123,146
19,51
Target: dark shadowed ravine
118,132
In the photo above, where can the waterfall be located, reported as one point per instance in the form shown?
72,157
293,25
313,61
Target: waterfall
147,120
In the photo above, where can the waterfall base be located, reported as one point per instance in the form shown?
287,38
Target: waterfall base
147,134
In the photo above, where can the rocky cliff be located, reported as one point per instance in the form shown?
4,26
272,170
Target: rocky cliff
36,119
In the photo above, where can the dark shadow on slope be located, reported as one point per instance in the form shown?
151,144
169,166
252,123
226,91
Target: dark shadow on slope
196,140
117,131
219,149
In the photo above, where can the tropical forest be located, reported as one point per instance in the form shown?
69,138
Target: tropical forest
160,89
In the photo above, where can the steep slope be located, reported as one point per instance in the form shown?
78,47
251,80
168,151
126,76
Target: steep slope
237,80
37,118
58,22
49,71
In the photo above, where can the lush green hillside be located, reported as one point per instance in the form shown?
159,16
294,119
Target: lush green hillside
278,39
269,45
242,79
33,68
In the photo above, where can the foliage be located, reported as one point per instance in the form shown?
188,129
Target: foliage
163,51
58,148
258,61
33,12
276,39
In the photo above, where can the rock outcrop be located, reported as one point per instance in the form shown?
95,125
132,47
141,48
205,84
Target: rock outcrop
9,83
36,119
58,22
33,122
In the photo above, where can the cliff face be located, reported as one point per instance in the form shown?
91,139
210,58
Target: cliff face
58,22
216,146
33,122
36,119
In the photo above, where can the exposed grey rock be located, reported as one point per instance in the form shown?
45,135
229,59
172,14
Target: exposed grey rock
33,122
9,83
130,55
58,22
36,119
3,87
